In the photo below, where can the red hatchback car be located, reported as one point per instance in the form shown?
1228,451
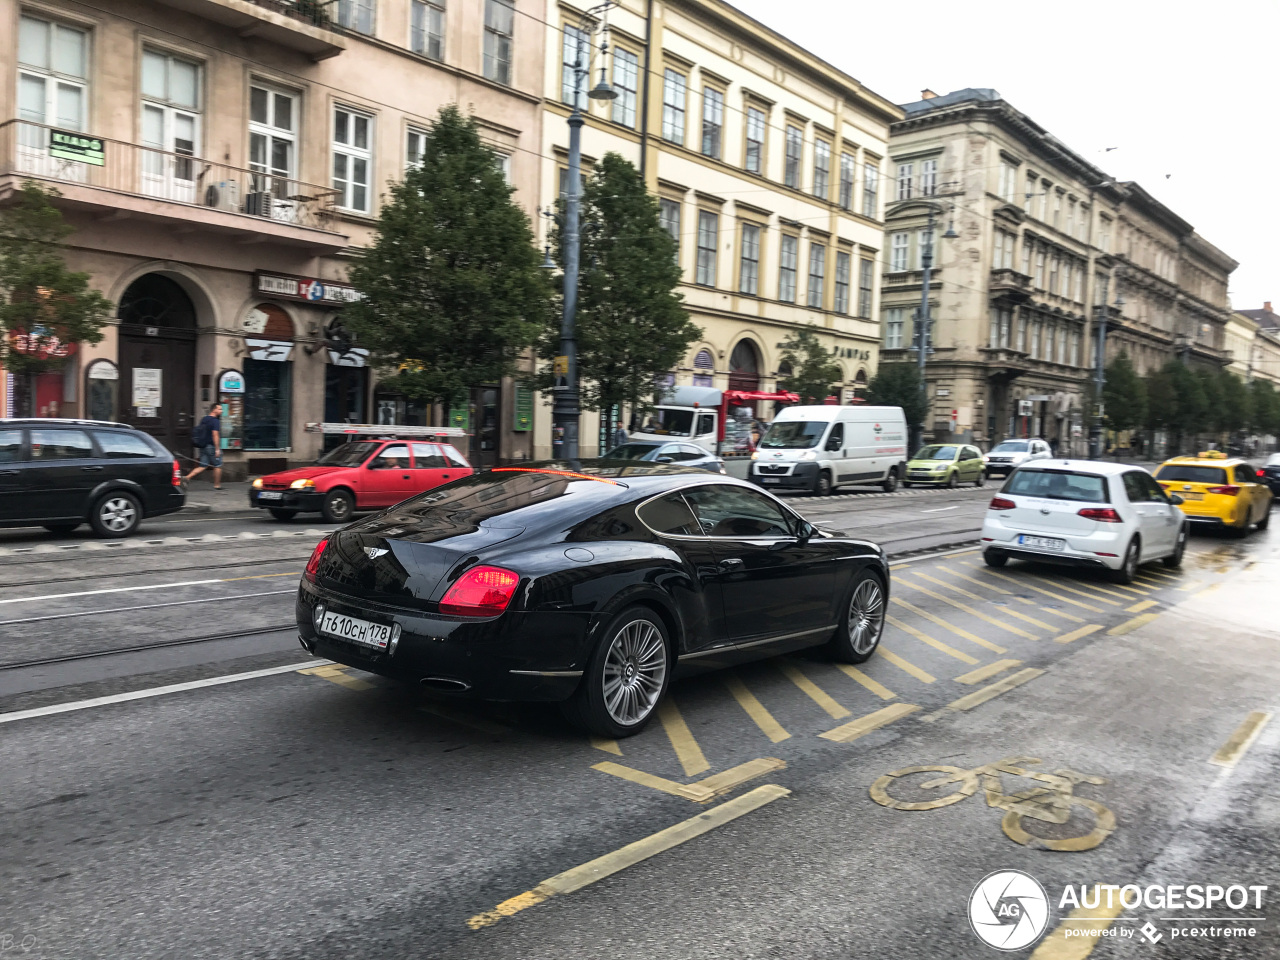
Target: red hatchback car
359,475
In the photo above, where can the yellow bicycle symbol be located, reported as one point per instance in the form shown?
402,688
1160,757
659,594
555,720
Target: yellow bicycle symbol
1049,804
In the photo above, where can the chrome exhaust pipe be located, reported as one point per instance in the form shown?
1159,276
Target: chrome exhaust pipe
445,683
307,645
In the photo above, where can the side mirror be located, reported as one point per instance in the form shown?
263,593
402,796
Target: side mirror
806,531
833,444
664,460
1176,500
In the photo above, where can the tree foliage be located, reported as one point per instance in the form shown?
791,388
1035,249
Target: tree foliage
630,324
452,288
1235,398
898,385
41,301
1124,395
1264,408
813,372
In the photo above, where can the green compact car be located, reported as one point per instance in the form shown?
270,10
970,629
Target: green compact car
946,464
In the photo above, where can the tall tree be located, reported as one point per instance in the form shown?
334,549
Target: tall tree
1264,408
813,372
898,385
1190,405
1233,410
452,288
631,325
1124,395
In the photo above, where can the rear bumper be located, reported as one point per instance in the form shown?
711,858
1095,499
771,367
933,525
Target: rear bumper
170,502
1057,559
803,476
304,501
1080,551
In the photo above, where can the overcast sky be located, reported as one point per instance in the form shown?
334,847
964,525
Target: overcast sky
1187,94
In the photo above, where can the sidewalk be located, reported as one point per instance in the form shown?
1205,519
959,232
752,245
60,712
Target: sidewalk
203,498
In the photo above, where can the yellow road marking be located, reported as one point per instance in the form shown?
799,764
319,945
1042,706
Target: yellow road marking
1017,631
1078,933
1048,593
336,673
987,672
981,696
1077,634
906,665
686,747
770,727
676,789
1009,593
1209,589
816,693
1137,591
721,783
1129,625
1140,606
958,631
1059,584
1148,574
700,791
936,644
872,721
633,853
1189,586
1229,754
608,746
981,599
879,689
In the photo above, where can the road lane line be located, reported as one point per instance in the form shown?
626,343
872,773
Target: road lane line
925,638
981,583
1098,592
973,596
1009,593
1129,625
958,631
1141,605
875,686
905,665
1048,593
337,673
608,746
145,606
962,552
981,696
95,593
1078,933
941,509
848,732
686,791
1077,634
633,853
152,692
987,672
756,710
700,791
682,741
1017,631
1136,591
814,692
1229,754
721,783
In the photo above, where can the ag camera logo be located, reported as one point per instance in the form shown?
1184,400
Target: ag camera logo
1008,910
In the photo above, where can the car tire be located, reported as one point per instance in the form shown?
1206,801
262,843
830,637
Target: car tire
891,481
1129,565
982,479
822,486
862,624
1265,521
626,677
338,506
952,480
283,514
1174,560
994,558
60,528
907,484
117,514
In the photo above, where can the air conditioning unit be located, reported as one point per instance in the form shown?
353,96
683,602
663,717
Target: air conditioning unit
225,195
258,204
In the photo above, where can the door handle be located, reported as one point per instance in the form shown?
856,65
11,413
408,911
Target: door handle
91,469
445,476
733,563
405,476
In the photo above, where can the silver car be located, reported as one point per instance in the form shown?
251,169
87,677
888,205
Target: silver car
1008,455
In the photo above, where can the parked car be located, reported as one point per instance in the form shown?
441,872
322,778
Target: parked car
946,464
359,475
591,585
818,448
1007,455
1083,513
59,474
1271,473
1219,491
685,454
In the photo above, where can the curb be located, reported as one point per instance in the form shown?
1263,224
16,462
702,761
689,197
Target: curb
197,508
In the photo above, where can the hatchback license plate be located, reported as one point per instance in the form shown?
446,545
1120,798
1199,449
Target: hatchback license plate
1192,496
771,479
1043,543
354,630
270,495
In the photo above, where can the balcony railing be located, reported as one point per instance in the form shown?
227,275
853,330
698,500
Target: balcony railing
29,150
315,12
310,26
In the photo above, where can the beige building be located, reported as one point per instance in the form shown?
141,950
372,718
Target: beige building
1253,339
222,162
768,164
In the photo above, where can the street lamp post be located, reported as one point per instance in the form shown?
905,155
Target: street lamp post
1100,371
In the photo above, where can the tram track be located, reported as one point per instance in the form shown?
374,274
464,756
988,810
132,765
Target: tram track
143,647
41,581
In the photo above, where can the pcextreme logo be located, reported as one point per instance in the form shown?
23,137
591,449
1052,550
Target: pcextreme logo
1008,910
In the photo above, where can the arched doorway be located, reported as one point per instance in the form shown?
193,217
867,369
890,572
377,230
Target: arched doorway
157,359
744,367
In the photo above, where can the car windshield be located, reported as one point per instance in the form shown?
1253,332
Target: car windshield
1058,485
1189,474
794,434
936,453
349,454
669,423
1011,446
631,451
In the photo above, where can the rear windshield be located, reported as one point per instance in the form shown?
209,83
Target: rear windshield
936,453
794,434
1058,485
508,492
1192,474
1011,446
349,454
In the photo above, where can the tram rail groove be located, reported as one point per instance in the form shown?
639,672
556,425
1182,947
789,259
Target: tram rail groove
143,647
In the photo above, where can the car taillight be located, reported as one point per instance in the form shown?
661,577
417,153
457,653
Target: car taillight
1230,490
1000,503
1101,515
313,565
177,473
481,592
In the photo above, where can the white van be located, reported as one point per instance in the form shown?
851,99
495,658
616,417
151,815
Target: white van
819,448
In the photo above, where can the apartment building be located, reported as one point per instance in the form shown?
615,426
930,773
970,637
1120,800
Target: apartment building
222,162
1253,341
768,166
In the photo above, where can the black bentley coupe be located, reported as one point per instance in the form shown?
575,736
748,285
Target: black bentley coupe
592,584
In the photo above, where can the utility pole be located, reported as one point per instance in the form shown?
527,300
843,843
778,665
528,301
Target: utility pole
923,321
1099,376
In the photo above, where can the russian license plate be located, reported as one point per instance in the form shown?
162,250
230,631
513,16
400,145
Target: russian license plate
771,479
355,630
270,495
1042,543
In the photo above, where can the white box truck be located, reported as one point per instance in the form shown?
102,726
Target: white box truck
819,448
706,416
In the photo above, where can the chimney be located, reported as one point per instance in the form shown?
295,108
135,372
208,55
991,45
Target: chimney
927,94
1266,305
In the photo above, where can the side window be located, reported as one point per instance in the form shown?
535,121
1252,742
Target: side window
427,456
706,424
393,457
122,445
1155,492
670,515
1246,474
836,440
973,453
738,513
454,458
60,445
10,446
693,453
1134,488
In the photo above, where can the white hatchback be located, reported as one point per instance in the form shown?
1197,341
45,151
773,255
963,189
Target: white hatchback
1084,513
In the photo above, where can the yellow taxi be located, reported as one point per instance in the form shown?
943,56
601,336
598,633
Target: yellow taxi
1218,491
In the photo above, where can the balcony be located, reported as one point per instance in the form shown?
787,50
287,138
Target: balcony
135,182
1010,285
302,25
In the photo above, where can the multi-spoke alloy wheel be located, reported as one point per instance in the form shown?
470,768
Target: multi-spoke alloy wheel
116,515
858,636
635,671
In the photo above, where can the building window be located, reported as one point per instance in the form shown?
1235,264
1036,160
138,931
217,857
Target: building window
1057,209
356,15
1104,234
669,218
749,271
1008,181
352,158
906,172
1082,225
415,145
893,324
899,250
788,262
1021,346
755,141
674,93
1027,247
1001,319
1036,327
1077,284
170,123
795,154
708,233
427,28
847,167
569,92
870,190
817,275
1032,181
273,135
821,169
499,27
997,258
1055,266
1071,218
1075,348
712,121
844,264
626,69
1039,279
52,71
866,273
928,178
703,367
1062,343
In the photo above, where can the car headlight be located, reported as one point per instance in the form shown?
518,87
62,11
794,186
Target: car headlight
755,456
257,483
808,455
302,484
